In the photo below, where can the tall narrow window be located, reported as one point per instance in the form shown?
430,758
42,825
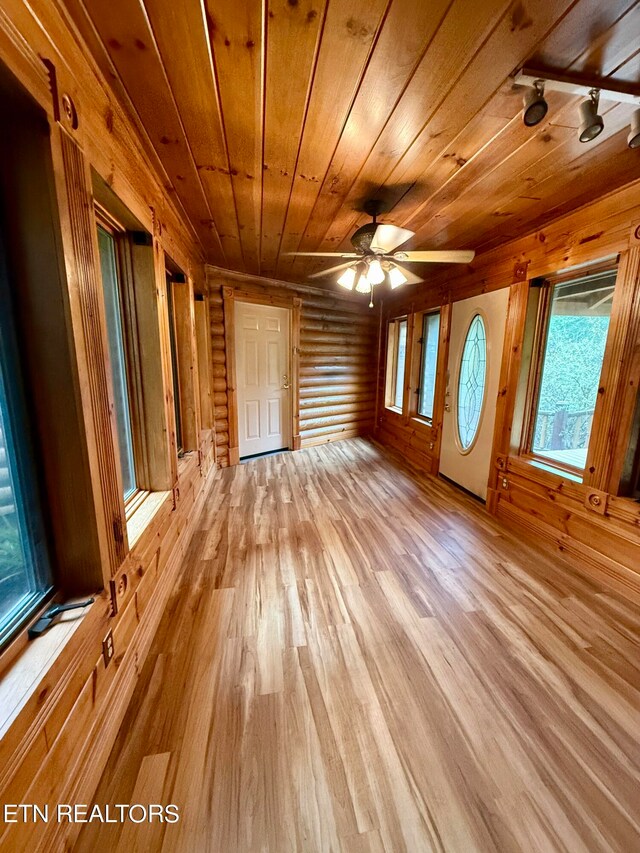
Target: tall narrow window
396,359
576,324
428,364
117,354
174,364
25,577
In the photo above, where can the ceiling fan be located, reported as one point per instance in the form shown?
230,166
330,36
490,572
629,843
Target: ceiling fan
375,258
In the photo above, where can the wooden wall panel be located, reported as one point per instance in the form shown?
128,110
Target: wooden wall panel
584,520
338,351
59,716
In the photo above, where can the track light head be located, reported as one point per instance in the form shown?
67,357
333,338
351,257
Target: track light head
535,105
633,140
592,124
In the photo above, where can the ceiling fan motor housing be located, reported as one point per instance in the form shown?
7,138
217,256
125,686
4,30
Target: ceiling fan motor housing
361,240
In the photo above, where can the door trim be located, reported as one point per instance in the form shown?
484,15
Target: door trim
293,303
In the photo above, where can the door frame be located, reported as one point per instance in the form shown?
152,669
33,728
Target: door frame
293,303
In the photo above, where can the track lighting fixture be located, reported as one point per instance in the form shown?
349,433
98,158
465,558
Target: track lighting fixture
633,140
348,278
592,124
535,105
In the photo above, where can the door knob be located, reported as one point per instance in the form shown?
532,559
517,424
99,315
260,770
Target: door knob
285,382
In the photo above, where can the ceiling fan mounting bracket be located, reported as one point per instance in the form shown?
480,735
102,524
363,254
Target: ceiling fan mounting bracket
374,207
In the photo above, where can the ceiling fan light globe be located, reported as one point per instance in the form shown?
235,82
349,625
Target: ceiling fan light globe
375,273
396,277
347,278
363,285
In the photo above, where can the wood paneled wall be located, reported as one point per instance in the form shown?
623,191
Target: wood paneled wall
585,521
60,705
338,360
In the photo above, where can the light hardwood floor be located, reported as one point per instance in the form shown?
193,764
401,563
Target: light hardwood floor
359,658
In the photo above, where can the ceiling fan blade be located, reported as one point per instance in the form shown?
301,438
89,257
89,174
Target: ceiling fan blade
411,278
455,256
331,269
387,237
324,254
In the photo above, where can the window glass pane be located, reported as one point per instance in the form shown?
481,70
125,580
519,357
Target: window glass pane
430,332
400,360
174,364
572,362
24,568
117,355
471,383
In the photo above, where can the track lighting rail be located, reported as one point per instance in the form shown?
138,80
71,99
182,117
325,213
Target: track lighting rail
579,84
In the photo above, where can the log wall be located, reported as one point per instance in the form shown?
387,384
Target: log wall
338,359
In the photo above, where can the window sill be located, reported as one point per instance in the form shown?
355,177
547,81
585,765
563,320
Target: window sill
143,515
34,660
425,423
551,469
393,409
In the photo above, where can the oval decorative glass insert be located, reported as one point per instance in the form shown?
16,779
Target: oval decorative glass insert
471,382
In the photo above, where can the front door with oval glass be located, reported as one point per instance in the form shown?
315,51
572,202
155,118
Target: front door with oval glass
473,373
263,378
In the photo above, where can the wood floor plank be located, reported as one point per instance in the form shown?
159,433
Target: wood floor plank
358,657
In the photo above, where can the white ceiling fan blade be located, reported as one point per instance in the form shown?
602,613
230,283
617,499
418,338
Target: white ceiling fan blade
411,278
454,256
324,254
387,237
331,269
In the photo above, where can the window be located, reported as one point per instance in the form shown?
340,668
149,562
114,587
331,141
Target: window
428,364
396,358
471,382
174,363
574,322
115,333
25,577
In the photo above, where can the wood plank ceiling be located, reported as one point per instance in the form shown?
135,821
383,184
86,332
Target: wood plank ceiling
274,121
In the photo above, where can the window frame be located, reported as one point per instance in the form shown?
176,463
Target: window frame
546,286
418,359
171,279
128,317
391,373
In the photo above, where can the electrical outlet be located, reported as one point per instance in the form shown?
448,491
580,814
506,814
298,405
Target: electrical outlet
107,648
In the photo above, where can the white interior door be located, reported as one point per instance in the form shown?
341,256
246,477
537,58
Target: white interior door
473,374
263,379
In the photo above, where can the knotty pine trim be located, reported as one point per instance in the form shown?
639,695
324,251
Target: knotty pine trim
56,750
228,297
81,252
509,378
620,380
184,313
